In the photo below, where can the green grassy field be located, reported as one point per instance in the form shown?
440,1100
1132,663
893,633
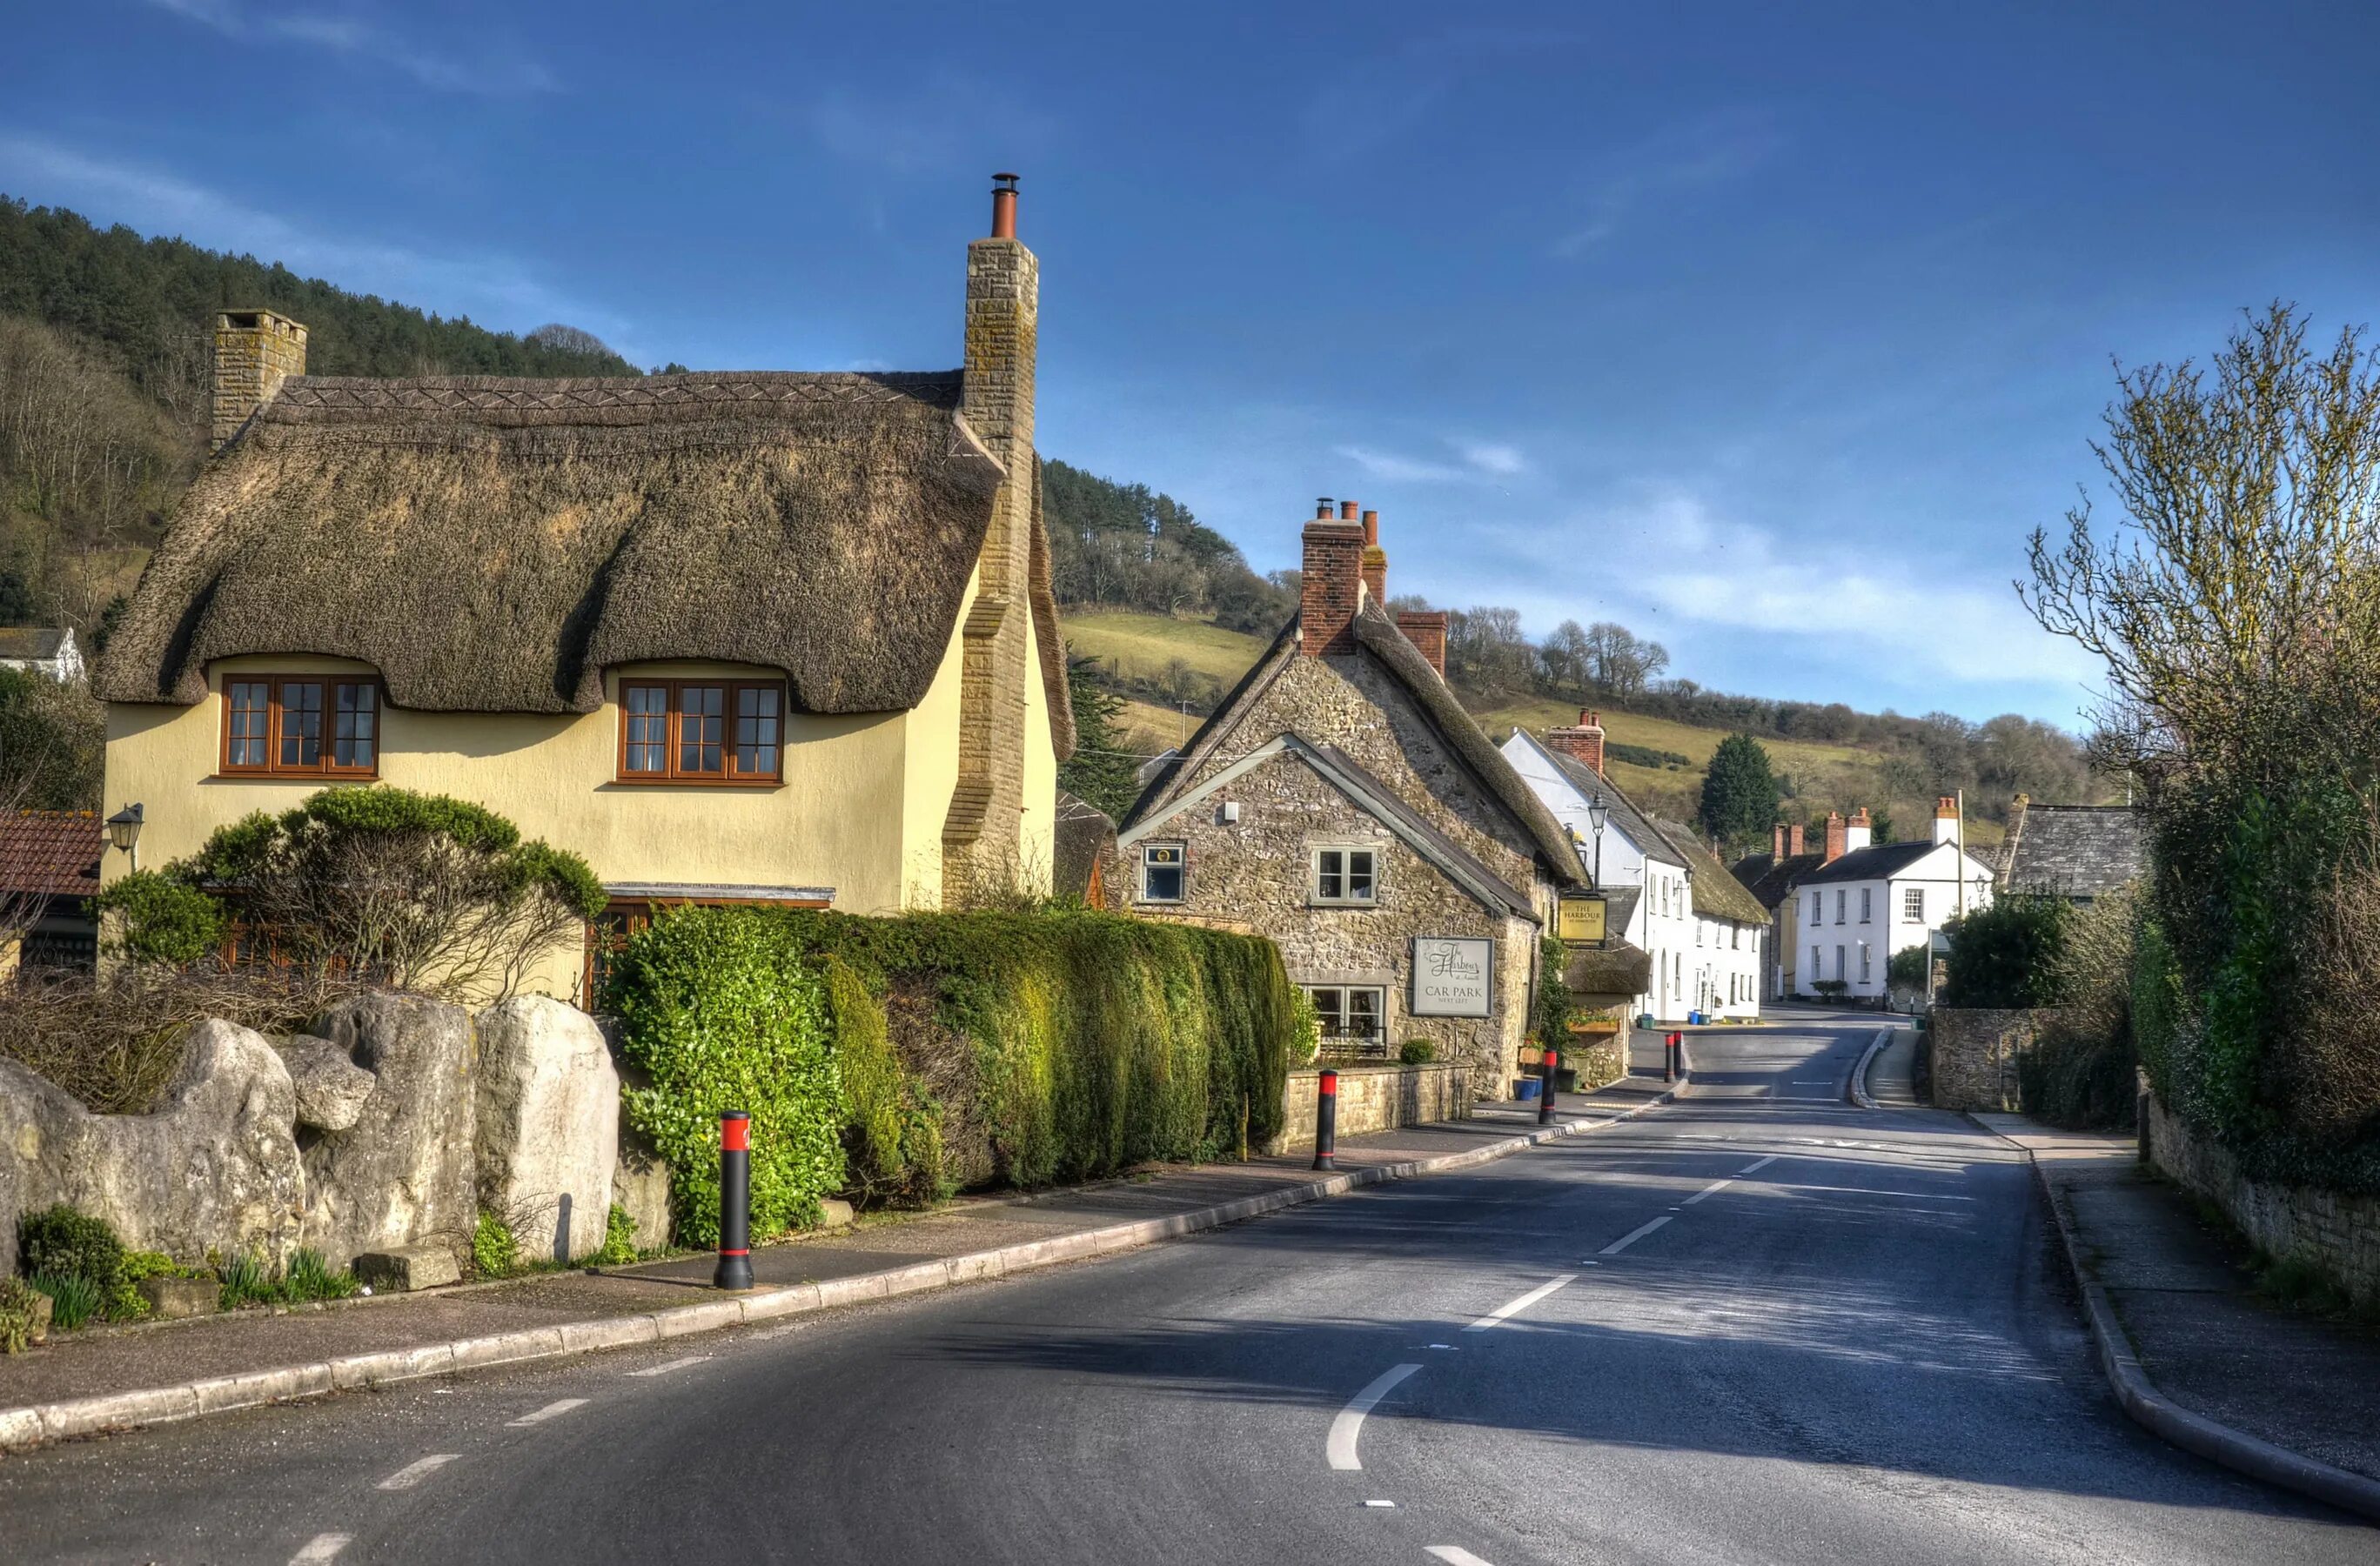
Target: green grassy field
1139,646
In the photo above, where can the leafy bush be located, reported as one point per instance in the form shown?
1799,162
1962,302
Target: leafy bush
1305,1028
1550,1014
20,1310
1906,969
1831,989
414,891
73,1300
60,1244
494,1252
619,1238
1031,1048
2079,1079
1416,1052
163,920
2008,955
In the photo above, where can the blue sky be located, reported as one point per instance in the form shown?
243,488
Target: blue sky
1767,330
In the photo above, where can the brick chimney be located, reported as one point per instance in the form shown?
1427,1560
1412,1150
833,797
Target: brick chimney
1776,842
1859,832
1376,561
1946,817
1793,839
982,832
1582,743
255,351
1332,583
1837,837
1426,629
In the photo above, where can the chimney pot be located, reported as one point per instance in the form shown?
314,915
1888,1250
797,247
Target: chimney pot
1003,206
1371,528
1322,507
1346,511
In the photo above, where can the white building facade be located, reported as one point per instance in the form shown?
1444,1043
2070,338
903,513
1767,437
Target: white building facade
1852,912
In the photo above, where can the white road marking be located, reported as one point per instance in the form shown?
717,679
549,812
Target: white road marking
320,1547
1349,1424
1384,1505
1757,1168
1714,1188
1821,1082
673,1365
1634,1235
1455,1554
1513,1307
1448,1347
413,1474
551,1410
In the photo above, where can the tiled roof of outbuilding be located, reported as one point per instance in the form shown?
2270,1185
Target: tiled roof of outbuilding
50,854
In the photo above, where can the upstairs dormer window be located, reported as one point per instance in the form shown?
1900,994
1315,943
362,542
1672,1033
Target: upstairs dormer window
702,730
301,726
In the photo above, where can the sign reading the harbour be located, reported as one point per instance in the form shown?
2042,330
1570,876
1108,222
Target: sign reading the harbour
1582,920
1452,976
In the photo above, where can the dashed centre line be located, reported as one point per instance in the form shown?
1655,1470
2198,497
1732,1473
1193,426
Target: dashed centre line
1713,1189
1634,1235
413,1474
1513,1307
320,1547
1757,1168
551,1410
1349,1424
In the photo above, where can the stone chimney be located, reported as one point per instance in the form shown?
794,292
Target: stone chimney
1332,581
981,834
1582,743
1946,817
1376,562
255,351
1426,629
1836,836
1793,839
1859,832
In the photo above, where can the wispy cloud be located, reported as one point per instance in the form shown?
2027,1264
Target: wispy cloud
487,286
1703,152
487,71
1479,462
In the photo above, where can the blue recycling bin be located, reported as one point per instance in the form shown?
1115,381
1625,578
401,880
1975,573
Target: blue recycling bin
1527,1092
1694,1019
1644,1019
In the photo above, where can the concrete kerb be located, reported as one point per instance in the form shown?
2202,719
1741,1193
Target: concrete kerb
1860,1094
36,1425
2138,1396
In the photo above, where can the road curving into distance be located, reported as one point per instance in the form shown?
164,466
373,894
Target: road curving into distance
1759,1325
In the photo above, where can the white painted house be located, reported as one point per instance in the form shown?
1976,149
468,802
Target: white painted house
1858,907
1731,933
42,649
1645,873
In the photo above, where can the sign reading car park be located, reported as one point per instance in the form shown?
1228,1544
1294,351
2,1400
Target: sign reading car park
1454,975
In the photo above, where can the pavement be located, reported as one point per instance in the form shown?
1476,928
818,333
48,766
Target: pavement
1757,1324
2184,1292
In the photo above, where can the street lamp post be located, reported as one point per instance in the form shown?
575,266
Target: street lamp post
1597,812
124,832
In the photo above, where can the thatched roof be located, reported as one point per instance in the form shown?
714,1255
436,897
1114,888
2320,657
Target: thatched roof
491,545
1617,972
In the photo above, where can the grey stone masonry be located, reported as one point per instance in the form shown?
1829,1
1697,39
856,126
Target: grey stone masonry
255,352
1976,1053
2337,1232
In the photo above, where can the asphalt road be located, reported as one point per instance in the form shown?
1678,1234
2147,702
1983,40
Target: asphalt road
1755,1326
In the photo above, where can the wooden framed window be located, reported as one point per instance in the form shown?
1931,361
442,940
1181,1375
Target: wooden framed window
702,732
1343,875
1354,1017
301,726
1913,905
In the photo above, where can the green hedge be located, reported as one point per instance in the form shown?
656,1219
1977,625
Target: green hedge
914,1055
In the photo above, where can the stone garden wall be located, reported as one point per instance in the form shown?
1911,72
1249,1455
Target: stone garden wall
1976,1054
2339,1234
1374,1098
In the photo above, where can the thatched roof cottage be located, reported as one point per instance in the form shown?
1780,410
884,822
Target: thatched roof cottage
736,637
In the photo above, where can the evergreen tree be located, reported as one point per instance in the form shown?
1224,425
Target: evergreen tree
1740,794
1098,773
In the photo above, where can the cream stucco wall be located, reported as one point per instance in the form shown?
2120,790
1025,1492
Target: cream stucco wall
1036,849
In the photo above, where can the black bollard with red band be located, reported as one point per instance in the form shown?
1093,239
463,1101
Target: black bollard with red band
734,1201
1325,1121
1670,1057
1545,1093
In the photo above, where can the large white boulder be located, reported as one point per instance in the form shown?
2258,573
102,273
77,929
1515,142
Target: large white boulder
548,1114
400,1174
216,1165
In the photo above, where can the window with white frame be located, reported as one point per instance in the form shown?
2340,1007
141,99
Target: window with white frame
1863,961
1839,971
1814,912
1913,905
1345,875
1354,1017
1842,900
1818,968
1867,904
1164,872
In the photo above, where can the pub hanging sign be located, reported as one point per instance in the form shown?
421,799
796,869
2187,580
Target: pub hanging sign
1454,975
1583,921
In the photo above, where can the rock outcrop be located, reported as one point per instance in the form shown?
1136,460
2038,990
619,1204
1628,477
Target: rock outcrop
400,1174
548,1116
216,1165
331,1087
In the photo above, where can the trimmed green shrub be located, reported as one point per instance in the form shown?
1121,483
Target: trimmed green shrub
494,1252
21,1309
1549,1013
2008,955
60,1244
162,920
721,1014
1031,1048
1416,1052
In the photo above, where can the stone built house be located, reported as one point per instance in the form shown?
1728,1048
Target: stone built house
1342,802
1842,912
2077,852
749,637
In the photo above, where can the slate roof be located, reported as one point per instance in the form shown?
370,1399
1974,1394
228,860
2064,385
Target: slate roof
1716,895
1619,906
2075,850
49,853
1641,829
33,642
1770,879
